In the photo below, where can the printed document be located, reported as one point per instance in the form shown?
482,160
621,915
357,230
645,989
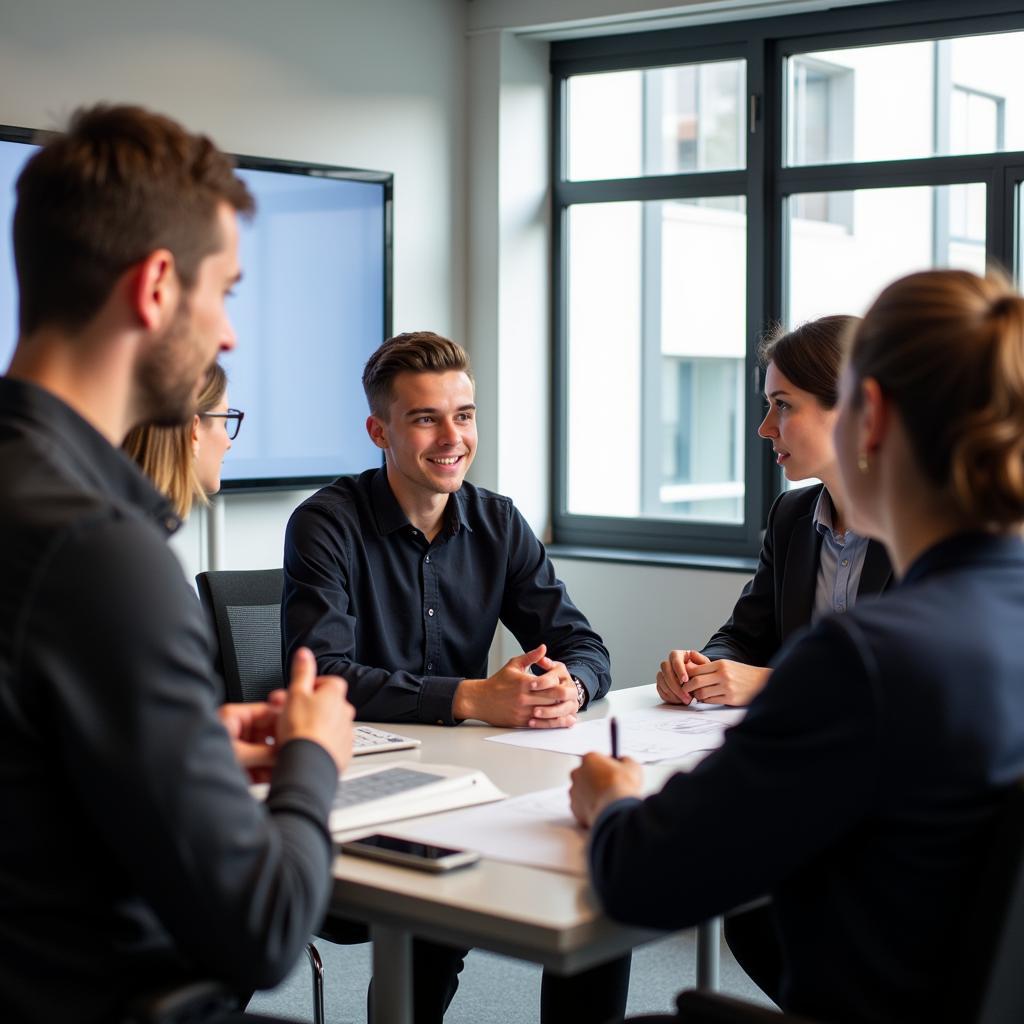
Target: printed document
647,735
537,829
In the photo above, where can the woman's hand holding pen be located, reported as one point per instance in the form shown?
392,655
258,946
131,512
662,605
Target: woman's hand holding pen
601,780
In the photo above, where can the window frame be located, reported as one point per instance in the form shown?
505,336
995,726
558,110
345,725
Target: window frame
767,183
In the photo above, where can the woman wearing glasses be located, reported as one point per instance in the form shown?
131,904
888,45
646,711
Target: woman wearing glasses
184,462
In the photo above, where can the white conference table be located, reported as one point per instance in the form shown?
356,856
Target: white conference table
547,917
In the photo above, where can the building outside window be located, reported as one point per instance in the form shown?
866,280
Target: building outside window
679,243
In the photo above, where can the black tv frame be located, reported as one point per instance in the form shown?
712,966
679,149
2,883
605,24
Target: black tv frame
35,137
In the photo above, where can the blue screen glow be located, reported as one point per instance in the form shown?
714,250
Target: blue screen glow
309,311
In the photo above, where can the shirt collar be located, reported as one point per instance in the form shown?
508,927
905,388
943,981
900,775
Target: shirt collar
390,516
823,520
81,450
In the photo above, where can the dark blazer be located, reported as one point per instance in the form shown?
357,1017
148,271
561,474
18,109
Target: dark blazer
859,791
780,598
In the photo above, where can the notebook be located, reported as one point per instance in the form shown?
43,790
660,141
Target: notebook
401,789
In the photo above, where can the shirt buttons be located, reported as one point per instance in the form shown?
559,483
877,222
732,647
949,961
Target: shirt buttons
427,559
430,611
846,561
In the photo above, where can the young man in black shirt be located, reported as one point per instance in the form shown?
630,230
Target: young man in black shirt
132,857
398,578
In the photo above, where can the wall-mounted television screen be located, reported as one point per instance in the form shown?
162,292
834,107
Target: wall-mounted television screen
314,302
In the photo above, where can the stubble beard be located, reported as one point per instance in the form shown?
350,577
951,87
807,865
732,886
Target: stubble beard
167,384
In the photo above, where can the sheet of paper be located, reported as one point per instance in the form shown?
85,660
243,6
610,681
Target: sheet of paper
646,734
537,829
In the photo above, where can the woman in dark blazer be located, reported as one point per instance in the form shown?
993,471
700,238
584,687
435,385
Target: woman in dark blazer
862,788
811,563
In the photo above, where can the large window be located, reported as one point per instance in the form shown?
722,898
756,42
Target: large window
713,183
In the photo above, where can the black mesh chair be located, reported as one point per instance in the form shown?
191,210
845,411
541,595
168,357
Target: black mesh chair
986,981
244,608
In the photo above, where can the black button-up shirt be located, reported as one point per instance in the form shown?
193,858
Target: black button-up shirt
405,620
131,853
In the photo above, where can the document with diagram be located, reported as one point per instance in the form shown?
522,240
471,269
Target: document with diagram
658,733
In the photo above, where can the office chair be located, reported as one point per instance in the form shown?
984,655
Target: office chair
987,963
244,609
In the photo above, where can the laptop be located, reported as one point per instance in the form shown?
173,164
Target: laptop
369,740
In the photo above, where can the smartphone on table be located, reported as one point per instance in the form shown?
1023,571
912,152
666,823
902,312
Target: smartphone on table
410,854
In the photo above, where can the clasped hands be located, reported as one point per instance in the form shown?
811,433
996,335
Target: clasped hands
313,707
515,697
689,675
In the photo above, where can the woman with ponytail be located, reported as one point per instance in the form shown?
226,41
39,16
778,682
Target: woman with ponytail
861,790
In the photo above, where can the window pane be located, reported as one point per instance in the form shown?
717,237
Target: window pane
624,124
840,261
931,98
656,343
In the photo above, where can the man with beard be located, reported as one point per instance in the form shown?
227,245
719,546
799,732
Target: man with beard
132,857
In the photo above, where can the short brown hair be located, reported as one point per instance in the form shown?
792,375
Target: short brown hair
120,183
810,356
412,352
947,348
165,454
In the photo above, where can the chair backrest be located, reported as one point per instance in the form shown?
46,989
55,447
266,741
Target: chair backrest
990,961
244,608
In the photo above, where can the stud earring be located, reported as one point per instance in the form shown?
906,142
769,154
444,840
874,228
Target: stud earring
862,462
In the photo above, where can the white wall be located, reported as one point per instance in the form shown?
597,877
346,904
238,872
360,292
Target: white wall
352,82
644,611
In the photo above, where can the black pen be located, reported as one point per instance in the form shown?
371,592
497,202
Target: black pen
615,736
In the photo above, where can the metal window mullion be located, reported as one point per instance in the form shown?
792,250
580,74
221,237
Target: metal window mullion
651,188
559,347
762,153
935,24
1012,176
711,52
998,239
940,170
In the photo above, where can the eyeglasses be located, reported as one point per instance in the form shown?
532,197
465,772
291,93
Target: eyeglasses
232,420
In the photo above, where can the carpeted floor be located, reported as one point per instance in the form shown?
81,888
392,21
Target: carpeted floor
497,989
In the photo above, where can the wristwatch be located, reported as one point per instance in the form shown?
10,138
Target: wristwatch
581,693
